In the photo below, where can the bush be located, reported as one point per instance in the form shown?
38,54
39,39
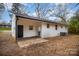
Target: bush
74,26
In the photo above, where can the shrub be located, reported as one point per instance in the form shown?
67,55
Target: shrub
74,26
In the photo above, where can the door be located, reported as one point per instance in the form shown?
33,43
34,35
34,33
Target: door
20,31
39,30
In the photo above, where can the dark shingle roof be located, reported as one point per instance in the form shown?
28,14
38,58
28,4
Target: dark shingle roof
39,19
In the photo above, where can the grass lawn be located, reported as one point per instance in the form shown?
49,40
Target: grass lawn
2,29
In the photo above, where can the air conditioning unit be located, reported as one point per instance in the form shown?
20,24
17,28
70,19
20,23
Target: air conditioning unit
63,33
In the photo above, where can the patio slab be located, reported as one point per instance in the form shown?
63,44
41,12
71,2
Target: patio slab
31,41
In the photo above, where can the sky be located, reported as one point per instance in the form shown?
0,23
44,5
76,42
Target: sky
31,8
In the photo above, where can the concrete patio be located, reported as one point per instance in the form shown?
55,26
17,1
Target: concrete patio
30,41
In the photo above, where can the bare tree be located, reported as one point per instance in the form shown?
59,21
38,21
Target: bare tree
60,11
37,10
19,8
77,4
76,16
41,10
2,9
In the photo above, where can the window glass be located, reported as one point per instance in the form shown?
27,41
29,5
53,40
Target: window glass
61,26
30,27
55,27
48,26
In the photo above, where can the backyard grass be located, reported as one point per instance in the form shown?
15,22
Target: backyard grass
63,45
2,29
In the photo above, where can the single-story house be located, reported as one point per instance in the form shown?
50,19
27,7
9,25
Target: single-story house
28,26
5,25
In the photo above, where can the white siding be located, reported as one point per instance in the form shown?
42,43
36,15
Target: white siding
64,29
50,32
14,26
42,26
29,33
26,23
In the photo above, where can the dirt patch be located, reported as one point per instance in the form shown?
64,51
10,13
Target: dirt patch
64,45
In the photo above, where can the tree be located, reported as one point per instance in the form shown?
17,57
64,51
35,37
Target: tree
74,26
77,4
60,11
77,15
18,8
41,10
2,9
74,23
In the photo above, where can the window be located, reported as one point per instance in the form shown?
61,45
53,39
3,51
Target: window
30,27
61,26
47,25
55,27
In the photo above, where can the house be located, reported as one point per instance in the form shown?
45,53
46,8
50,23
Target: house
5,26
28,26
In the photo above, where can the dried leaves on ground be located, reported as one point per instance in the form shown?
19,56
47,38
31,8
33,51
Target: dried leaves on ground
63,45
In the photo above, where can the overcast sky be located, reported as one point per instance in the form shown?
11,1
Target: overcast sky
31,8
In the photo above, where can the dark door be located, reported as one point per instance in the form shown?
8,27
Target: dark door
20,31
